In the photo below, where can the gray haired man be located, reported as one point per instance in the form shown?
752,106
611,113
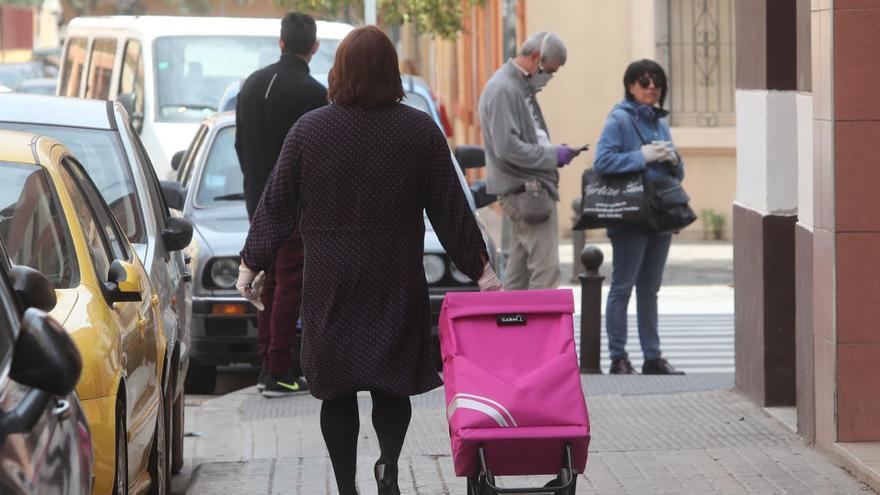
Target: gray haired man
522,163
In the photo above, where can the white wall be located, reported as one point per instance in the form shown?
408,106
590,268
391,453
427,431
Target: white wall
767,142
805,159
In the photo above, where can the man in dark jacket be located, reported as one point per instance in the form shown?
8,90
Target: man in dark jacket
271,100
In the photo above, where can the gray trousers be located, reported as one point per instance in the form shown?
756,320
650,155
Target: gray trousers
533,261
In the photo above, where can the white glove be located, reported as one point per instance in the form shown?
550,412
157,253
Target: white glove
488,280
654,152
669,153
250,285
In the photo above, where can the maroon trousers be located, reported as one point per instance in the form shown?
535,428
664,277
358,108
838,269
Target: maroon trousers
278,345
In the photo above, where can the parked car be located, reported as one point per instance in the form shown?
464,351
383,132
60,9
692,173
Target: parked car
45,445
171,71
55,220
99,134
11,74
209,192
42,86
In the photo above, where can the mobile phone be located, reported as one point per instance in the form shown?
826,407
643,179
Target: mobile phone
582,148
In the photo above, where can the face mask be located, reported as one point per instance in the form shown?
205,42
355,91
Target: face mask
539,80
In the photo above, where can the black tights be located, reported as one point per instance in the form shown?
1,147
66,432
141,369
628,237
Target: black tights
340,425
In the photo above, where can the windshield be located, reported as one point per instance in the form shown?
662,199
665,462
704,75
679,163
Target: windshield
101,155
32,226
193,71
221,180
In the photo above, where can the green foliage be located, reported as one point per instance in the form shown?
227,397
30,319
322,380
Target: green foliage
192,6
713,224
26,3
440,17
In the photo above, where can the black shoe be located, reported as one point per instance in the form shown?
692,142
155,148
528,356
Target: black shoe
386,478
621,366
263,379
659,366
284,385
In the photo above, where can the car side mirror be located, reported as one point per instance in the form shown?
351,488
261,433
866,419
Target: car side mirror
177,233
176,159
174,194
470,156
45,356
481,196
128,100
34,290
123,283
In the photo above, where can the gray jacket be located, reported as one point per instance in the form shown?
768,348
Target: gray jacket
513,155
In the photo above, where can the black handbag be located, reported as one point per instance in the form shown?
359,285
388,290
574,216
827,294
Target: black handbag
615,200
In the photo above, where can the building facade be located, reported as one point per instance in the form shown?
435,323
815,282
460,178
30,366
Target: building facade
806,239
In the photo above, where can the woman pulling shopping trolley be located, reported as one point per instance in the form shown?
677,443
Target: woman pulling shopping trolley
356,176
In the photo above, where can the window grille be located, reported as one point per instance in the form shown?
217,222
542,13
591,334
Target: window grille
696,47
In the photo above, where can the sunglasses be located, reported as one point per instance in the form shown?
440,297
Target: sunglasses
646,81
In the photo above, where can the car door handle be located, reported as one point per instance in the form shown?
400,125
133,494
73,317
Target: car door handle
142,324
186,277
187,259
62,409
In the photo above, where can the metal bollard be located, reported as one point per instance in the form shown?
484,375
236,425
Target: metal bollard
591,309
578,238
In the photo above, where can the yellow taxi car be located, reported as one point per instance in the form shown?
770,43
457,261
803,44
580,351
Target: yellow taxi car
52,218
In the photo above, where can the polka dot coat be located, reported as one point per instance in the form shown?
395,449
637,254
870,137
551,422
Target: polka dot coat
358,182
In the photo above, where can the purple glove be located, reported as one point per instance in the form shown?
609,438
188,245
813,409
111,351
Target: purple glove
564,155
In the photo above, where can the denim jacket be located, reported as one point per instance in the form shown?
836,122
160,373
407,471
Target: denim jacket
619,148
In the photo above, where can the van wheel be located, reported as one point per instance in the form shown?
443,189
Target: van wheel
200,379
160,475
120,483
177,421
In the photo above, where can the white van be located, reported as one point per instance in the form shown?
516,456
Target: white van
170,72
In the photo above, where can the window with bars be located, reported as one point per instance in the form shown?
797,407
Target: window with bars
695,45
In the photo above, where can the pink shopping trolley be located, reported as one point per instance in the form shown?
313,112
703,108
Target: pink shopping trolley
513,390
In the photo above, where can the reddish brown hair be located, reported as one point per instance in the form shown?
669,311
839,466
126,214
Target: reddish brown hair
365,71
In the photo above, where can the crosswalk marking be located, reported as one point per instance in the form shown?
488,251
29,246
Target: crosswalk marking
693,343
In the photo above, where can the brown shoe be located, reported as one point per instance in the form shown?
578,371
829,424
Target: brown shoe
659,366
621,366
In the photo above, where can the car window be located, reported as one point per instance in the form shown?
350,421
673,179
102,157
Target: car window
99,248
114,236
132,78
189,158
102,156
221,180
101,68
160,209
71,73
7,332
32,225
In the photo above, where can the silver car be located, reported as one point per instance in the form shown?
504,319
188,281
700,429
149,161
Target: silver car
209,192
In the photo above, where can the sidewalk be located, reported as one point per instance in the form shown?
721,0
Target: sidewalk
686,434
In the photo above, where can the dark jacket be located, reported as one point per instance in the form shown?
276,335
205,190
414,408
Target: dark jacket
361,180
271,100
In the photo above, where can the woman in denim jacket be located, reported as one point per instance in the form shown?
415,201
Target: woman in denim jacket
636,138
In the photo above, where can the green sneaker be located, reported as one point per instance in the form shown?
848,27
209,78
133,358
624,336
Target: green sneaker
284,385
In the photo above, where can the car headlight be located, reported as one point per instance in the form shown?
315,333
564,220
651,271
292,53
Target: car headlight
224,273
435,268
459,276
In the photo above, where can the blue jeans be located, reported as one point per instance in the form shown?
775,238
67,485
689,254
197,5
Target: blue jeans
639,260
